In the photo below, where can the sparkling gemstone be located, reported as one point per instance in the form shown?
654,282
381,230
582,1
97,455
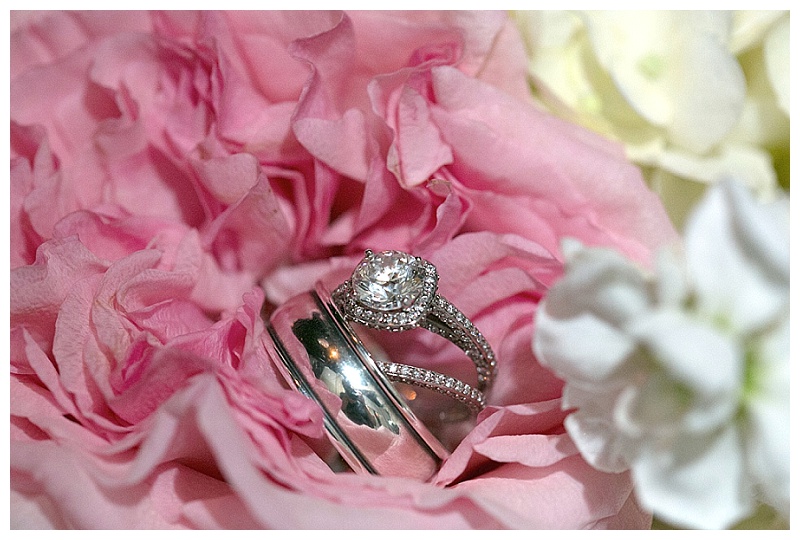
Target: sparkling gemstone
388,280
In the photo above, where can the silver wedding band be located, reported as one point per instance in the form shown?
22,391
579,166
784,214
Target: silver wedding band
365,417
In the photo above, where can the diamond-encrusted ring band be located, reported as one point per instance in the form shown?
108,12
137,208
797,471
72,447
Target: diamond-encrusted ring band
396,291
444,384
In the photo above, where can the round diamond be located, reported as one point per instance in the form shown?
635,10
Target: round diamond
388,280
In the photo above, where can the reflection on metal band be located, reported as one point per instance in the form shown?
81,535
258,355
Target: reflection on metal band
365,417
339,370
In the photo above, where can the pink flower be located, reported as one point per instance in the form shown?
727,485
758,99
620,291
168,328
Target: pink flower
168,166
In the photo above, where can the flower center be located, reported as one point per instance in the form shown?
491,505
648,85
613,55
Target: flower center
388,280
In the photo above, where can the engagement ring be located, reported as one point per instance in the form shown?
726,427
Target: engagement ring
396,291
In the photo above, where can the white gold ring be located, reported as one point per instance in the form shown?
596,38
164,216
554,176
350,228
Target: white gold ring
396,291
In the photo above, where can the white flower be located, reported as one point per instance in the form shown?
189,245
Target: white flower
695,96
682,375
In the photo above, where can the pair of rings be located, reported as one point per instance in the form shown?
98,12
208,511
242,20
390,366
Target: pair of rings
366,418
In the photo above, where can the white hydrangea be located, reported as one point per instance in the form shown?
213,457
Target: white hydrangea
682,375
694,95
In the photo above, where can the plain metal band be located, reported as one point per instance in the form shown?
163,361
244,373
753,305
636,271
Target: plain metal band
365,417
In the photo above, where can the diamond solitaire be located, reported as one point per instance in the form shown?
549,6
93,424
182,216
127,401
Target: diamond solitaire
395,291
389,280
389,290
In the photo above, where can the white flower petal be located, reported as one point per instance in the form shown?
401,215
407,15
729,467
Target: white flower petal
595,439
576,325
599,281
763,230
547,29
652,409
582,348
738,255
662,407
708,92
766,428
747,163
776,55
674,69
693,353
768,452
695,482
633,48
763,123
716,24
749,27
671,287
592,427
571,248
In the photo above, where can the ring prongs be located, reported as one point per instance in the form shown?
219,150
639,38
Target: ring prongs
392,289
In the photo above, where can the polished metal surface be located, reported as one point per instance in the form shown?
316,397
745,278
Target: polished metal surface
368,422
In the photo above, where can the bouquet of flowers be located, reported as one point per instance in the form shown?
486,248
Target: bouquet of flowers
178,176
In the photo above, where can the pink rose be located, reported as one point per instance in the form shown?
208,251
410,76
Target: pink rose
171,172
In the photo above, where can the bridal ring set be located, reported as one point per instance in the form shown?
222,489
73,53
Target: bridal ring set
319,353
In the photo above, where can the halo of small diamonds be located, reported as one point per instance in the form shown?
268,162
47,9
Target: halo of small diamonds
389,290
395,291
